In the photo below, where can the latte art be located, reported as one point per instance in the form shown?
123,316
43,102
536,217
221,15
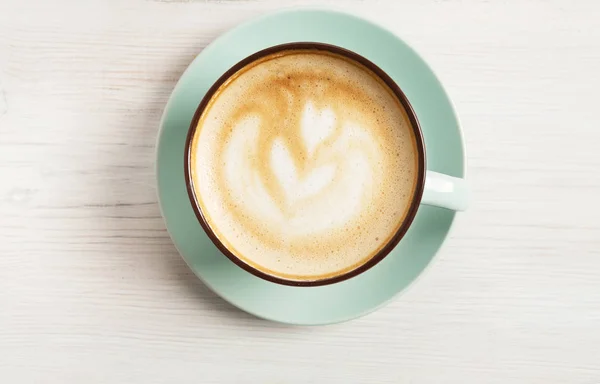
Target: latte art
303,164
314,193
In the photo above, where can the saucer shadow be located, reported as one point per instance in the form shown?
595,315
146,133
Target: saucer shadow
130,207
175,265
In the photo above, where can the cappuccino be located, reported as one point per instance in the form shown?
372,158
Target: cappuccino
304,164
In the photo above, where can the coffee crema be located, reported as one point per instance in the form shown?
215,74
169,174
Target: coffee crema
304,164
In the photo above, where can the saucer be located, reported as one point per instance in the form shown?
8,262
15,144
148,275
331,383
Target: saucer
370,290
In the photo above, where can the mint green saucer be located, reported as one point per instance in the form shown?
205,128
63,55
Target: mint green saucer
361,294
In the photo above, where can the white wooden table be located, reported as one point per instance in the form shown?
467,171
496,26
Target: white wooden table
93,291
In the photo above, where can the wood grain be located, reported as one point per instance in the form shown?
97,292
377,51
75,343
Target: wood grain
92,289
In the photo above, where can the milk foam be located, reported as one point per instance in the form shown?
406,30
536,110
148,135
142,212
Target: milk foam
304,164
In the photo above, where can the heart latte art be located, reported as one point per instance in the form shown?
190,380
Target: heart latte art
304,164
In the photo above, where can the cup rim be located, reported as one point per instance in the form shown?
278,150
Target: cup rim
421,160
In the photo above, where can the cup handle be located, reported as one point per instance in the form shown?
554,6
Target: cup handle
445,191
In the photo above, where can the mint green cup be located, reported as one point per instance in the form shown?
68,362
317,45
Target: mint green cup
398,273
432,188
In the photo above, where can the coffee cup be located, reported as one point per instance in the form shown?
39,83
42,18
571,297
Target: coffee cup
305,165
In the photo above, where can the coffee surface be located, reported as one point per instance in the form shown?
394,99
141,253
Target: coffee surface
304,164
